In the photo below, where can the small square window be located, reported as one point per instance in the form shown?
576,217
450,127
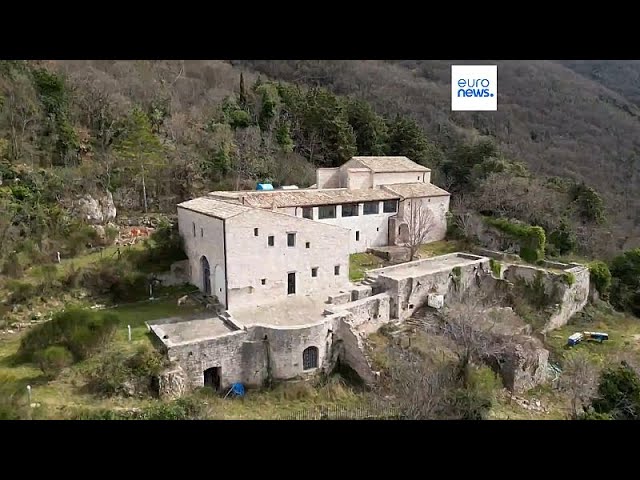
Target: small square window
336,270
271,240
357,235
307,245
255,232
263,281
314,272
291,239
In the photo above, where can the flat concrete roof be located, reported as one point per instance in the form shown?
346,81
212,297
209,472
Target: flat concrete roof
292,311
189,331
428,265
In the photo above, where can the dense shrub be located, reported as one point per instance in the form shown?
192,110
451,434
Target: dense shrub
11,393
82,332
562,240
79,236
110,233
53,359
165,248
531,239
20,291
119,374
618,393
115,279
601,277
12,266
496,267
625,285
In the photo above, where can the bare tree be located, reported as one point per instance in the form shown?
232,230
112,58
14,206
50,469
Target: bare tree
466,321
420,222
470,224
418,389
580,380
20,111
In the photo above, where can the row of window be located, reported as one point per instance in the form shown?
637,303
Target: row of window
351,209
291,239
314,273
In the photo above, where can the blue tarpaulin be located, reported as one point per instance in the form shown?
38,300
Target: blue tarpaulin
237,389
264,186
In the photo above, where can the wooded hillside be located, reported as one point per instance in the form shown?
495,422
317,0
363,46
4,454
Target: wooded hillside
157,132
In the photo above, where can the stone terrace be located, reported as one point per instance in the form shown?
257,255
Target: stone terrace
292,311
427,266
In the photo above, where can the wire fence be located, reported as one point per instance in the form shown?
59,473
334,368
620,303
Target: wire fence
335,412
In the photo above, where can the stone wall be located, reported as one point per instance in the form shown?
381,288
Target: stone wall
358,179
373,230
328,178
367,314
224,351
564,298
257,354
439,206
286,345
390,178
203,236
251,259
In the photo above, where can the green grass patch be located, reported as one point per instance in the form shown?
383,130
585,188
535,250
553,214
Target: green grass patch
623,330
359,263
442,247
496,267
67,392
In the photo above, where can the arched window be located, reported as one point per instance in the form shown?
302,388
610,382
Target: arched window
310,358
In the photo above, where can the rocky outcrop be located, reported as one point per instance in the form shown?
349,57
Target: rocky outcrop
172,383
524,364
96,210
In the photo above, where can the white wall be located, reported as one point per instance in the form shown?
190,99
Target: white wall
208,241
401,177
250,258
439,206
374,229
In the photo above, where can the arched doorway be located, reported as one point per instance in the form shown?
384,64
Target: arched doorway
212,378
206,275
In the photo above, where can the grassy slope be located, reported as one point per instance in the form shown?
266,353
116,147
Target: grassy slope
67,389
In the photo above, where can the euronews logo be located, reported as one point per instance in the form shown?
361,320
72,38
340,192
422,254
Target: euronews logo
474,88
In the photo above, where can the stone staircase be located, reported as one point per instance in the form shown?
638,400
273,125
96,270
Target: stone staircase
226,318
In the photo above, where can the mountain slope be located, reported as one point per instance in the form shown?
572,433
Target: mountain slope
557,117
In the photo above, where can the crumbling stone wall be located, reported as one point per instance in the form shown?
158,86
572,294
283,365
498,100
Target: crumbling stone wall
367,314
224,351
524,365
565,299
172,383
286,345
